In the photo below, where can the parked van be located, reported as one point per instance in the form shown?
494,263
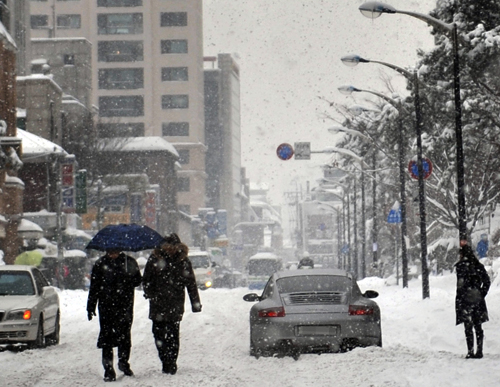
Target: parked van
203,267
260,267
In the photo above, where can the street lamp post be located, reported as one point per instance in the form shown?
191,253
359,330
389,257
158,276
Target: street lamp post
373,10
353,60
402,180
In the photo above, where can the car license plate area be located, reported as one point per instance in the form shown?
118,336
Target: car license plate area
317,330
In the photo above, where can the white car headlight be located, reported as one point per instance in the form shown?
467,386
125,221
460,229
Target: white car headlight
21,314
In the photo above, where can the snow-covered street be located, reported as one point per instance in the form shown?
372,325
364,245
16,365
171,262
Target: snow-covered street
422,347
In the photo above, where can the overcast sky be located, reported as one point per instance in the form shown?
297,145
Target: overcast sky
289,55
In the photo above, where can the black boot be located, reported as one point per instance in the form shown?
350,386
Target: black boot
123,364
169,368
107,363
469,339
479,343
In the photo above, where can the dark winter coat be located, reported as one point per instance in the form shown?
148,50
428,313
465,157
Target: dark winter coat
473,284
164,282
112,286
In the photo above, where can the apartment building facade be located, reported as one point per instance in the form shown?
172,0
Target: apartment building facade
147,73
223,137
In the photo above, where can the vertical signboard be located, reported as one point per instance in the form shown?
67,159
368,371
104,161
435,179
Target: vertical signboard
150,203
81,191
68,185
135,208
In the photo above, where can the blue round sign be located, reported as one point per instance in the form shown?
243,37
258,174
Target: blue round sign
284,151
426,166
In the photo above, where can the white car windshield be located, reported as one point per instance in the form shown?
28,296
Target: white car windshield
16,283
199,261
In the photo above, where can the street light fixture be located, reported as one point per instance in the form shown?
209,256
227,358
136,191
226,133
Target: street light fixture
374,9
402,180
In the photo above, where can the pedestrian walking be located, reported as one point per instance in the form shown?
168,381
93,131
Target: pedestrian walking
112,282
473,284
167,274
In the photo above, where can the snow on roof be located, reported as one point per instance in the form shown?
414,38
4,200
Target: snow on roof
131,144
28,225
264,255
6,35
78,233
35,146
39,76
13,180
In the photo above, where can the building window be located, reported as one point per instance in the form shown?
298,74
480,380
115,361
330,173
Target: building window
39,22
69,21
174,74
121,130
113,79
119,3
175,129
175,46
175,101
183,184
183,156
120,51
69,59
119,23
121,106
186,208
173,19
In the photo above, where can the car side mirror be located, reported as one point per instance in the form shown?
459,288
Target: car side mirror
370,294
251,297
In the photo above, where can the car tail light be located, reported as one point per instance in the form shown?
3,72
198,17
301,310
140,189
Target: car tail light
272,312
360,310
27,314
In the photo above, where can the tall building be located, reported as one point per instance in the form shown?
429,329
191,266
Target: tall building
223,137
147,73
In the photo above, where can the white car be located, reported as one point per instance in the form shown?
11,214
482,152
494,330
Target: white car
29,307
203,267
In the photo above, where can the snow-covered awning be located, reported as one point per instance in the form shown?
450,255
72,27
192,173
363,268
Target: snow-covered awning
35,147
138,144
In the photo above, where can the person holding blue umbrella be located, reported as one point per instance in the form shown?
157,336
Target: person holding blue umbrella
112,282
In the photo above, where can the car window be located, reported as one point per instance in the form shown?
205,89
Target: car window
314,283
16,283
40,280
268,289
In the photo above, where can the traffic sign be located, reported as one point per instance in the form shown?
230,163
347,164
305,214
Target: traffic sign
302,150
426,166
394,216
284,151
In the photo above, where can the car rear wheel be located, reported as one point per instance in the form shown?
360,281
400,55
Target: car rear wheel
39,342
53,339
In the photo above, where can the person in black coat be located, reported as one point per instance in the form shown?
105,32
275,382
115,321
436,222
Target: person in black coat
473,284
167,274
112,282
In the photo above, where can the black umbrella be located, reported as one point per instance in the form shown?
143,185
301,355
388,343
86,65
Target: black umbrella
125,237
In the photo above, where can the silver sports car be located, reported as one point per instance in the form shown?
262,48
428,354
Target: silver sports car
316,310
29,307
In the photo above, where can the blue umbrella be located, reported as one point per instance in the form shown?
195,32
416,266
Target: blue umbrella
125,237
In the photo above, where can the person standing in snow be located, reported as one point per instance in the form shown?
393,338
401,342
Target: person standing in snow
166,275
473,284
112,282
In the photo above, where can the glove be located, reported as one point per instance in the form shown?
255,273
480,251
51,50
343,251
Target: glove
90,315
196,308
